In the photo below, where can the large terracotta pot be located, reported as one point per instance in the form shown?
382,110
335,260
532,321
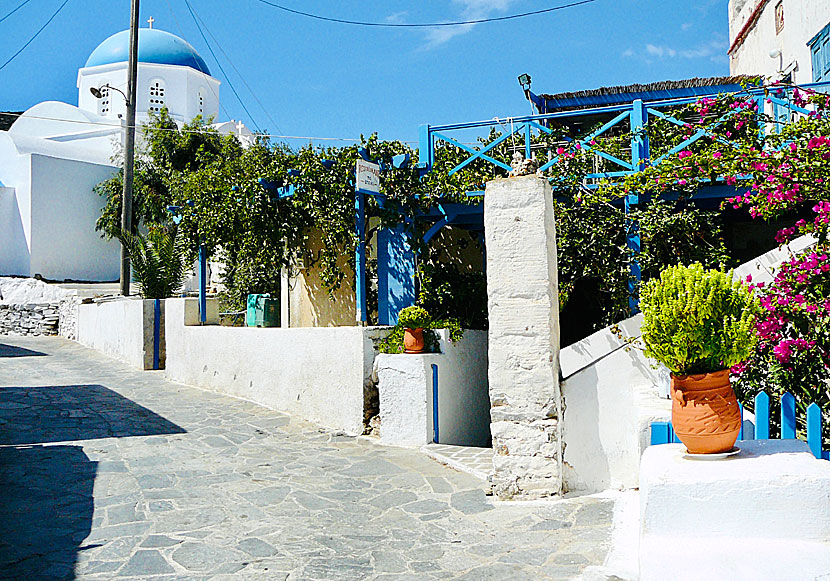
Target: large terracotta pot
413,340
704,412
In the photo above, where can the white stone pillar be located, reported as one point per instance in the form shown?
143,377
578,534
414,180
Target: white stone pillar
523,305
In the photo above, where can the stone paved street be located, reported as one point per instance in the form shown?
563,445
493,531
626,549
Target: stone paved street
108,472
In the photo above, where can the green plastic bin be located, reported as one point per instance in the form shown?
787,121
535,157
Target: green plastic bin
263,311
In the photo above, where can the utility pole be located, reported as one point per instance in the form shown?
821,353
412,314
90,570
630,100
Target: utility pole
129,148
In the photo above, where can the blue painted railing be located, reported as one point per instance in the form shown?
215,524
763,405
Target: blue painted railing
636,114
663,433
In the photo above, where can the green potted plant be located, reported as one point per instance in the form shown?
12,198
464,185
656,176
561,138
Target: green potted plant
414,320
699,323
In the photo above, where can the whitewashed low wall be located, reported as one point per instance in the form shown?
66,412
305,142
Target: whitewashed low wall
120,328
762,515
405,391
612,395
315,373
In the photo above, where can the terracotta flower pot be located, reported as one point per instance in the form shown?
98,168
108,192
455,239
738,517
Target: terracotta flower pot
704,412
413,340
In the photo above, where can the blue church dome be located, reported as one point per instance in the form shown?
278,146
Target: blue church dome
154,46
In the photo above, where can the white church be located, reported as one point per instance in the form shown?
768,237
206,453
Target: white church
54,154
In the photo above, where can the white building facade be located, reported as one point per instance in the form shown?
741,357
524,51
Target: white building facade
54,154
780,39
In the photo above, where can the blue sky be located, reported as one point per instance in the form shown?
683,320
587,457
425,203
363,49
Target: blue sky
322,79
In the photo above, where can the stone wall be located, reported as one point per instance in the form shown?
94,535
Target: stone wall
523,305
68,318
29,319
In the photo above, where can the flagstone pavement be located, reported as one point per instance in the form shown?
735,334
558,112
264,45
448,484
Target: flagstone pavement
109,472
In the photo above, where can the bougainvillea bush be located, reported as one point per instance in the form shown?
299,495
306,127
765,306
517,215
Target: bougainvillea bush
793,330
780,174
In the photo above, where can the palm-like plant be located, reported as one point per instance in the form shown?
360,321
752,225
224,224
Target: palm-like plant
159,262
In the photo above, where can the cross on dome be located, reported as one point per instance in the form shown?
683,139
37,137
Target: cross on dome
150,21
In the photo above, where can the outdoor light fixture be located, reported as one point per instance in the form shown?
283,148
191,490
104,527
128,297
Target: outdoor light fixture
96,92
775,53
524,81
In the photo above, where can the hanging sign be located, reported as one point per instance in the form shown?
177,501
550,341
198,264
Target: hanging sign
368,176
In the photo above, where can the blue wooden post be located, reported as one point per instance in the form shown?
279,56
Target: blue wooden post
787,417
202,283
762,126
156,333
741,410
360,256
814,429
396,274
639,160
426,154
660,433
528,152
762,416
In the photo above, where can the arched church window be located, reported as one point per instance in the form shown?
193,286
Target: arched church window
104,101
156,96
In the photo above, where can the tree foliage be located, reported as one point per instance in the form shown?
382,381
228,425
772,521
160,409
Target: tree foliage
216,183
158,262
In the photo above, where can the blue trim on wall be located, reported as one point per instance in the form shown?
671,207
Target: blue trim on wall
156,332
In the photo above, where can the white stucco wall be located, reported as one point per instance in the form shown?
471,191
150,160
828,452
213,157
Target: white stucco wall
406,394
14,251
611,395
120,328
763,514
803,19
64,208
314,373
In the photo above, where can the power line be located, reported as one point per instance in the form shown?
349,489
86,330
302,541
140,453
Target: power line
197,58
22,4
51,18
227,78
424,24
121,126
219,46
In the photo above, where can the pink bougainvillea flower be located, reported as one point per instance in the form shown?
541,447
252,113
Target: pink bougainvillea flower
782,352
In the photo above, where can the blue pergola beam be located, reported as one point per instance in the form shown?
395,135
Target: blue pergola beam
476,153
586,140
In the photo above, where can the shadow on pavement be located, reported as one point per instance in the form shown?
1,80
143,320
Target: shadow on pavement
46,492
46,507
64,413
14,351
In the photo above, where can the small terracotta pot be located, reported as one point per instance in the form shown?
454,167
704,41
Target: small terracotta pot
704,412
413,340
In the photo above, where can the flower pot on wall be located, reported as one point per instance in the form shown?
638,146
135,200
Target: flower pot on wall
705,412
413,340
